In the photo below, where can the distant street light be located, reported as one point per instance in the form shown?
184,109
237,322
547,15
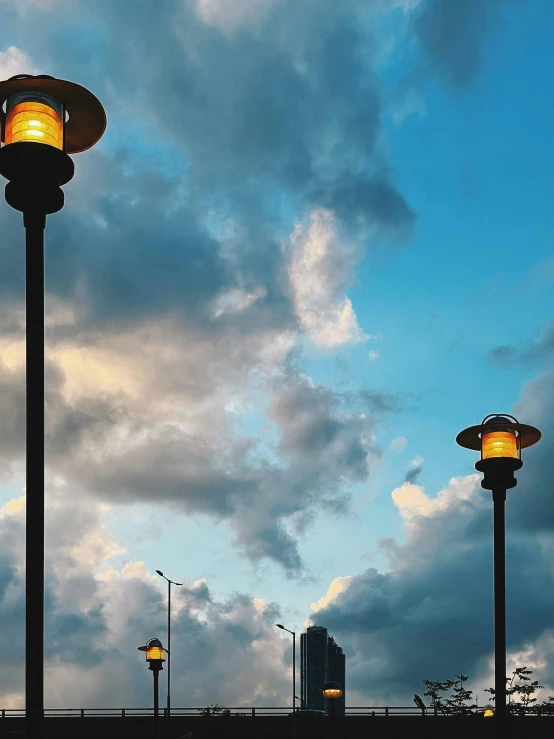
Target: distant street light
280,626
155,658
42,121
332,690
500,439
169,584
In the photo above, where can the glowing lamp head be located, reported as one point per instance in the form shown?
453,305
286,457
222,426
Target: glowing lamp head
42,109
488,713
332,690
154,653
499,441
34,116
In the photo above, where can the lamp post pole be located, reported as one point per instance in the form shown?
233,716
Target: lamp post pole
155,658
280,626
34,223
156,695
500,439
35,160
169,584
499,546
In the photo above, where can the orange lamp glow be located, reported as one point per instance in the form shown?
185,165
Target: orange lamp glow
332,693
32,116
488,713
155,653
499,444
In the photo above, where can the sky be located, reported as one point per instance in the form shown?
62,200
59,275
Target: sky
313,244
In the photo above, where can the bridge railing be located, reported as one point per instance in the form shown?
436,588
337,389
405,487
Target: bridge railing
244,711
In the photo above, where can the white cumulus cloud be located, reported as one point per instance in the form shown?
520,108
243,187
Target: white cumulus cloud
322,266
14,61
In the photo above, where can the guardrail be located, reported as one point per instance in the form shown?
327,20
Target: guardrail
248,711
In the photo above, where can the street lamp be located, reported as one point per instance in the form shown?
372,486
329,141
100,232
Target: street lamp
169,584
155,658
500,439
42,121
280,626
332,690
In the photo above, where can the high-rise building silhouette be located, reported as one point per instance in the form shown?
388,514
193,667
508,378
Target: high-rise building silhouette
321,660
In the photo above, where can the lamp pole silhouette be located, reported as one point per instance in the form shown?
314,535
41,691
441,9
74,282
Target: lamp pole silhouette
43,120
169,584
280,626
500,439
155,658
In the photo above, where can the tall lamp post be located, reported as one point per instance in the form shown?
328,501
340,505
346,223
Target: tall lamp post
169,584
155,658
43,120
280,626
500,439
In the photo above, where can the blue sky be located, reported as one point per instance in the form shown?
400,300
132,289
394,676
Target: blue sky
279,285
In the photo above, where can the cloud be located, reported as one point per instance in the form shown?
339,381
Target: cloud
96,614
338,585
429,615
453,35
378,401
321,267
398,444
530,508
175,290
412,104
12,61
530,351
229,16
416,467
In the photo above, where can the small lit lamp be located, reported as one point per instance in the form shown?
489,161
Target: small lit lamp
332,690
155,658
488,713
42,121
500,439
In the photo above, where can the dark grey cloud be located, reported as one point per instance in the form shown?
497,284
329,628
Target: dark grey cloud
12,412
252,113
415,470
322,444
379,401
93,625
218,144
530,506
453,34
124,450
534,350
430,615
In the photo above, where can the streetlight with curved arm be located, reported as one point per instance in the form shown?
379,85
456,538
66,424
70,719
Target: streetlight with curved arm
169,584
